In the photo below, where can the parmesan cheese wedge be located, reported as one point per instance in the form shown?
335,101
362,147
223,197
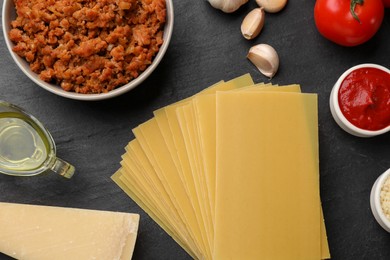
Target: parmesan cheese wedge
43,232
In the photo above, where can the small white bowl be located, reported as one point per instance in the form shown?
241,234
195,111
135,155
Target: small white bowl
375,202
336,111
9,15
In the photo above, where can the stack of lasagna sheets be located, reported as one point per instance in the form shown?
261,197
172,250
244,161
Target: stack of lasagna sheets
232,172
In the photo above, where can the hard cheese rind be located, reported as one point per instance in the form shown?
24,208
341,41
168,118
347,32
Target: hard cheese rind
41,232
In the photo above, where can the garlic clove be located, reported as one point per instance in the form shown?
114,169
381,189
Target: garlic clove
253,23
265,58
272,6
227,6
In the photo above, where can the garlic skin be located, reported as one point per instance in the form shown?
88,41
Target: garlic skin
253,23
265,58
272,6
227,6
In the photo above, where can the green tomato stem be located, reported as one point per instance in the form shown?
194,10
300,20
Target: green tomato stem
352,8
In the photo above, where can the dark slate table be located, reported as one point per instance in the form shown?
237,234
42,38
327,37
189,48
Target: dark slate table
206,47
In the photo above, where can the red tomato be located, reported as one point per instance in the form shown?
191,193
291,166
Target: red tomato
386,3
335,21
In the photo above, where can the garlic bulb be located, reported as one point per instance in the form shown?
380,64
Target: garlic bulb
253,23
227,6
265,58
272,6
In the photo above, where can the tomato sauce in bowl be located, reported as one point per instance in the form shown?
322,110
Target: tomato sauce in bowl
364,98
360,100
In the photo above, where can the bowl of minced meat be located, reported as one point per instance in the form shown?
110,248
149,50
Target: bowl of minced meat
87,49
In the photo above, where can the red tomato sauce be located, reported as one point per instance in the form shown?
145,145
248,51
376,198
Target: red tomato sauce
364,98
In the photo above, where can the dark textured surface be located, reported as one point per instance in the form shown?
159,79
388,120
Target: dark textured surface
206,47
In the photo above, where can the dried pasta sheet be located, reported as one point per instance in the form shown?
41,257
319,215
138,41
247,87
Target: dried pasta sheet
267,184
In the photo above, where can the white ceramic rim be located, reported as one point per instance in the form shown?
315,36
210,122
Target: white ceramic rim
335,107
23,65
377,202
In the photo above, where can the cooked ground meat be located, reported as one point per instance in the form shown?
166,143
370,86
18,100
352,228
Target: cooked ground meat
88,46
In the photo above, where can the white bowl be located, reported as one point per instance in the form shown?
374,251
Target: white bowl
375,202
336,111
9,15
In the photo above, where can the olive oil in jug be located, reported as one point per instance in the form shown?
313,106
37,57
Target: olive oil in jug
23,146
26,146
